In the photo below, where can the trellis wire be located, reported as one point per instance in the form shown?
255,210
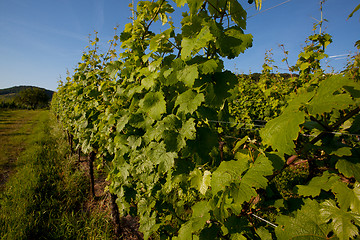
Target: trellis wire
264,220
261,126
237,123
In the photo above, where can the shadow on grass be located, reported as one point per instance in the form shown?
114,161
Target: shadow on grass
13,134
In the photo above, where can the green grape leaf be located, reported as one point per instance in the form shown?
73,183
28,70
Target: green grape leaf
314,187
153,66
189,101
253,179
238,14
240,143
340,152
171,139
305,225
346,197
170,77
205,183
226,173
209,143
237,236
242,187
167,161
234,42
121,172
195,5
325,100
188,75
264,234
298,100
341,221
148,225
217,92
150,80
157,41
193,45
280,132
199,181
210,66
276,159
195,178
304,66
349,169
191,25
121,123
180,3
159,130
188,129
112,68
355,127
215,7
153,104
159,155
170,74
255,176
353,87
86,147
134,141
200,215
147,218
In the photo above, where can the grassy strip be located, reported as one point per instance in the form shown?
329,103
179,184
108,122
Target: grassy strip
15,127
45,197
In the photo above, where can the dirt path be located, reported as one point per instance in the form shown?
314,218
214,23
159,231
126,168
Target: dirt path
15,128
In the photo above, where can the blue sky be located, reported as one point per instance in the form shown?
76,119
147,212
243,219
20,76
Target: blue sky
41,39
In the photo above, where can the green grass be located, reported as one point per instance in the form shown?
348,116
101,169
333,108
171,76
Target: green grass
45,198
15,127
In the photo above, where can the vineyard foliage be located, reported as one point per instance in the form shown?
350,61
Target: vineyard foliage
172,129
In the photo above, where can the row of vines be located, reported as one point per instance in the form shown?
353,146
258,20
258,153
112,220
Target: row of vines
198,152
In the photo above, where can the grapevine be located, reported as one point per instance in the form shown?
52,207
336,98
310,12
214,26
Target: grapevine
156,114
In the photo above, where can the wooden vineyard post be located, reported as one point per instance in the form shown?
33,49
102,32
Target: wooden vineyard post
91,173
115,214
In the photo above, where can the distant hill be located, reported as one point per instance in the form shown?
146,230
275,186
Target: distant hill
10,93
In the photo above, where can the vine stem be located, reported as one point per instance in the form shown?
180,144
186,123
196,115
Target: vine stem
223,12
325,126
153,18
214,7
337,124
286,59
